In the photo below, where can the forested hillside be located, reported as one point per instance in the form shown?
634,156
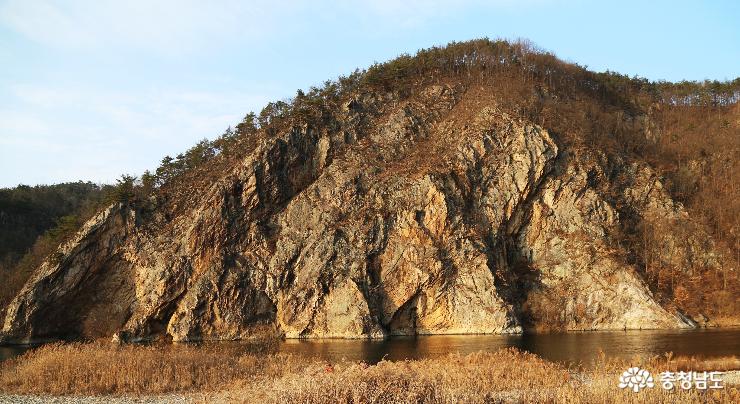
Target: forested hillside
659,202
688,131
34,220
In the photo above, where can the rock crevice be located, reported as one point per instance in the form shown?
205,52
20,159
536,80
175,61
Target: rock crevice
405,219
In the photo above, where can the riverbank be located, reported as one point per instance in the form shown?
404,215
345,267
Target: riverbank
98,372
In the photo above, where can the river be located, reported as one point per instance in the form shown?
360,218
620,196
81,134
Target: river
566,347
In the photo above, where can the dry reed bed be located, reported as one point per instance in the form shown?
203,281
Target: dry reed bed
105,368
504,376
256,374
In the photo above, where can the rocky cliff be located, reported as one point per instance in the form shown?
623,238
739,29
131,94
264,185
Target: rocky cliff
431,214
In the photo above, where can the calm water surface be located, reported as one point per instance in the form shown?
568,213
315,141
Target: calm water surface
568,347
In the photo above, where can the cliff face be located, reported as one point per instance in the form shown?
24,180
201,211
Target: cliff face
437,214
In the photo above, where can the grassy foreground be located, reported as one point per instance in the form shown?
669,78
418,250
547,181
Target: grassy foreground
255,374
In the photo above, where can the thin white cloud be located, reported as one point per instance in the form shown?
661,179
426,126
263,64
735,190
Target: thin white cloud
172,26
82,133
121,107
52,129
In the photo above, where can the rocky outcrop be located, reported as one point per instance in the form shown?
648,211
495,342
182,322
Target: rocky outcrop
436,215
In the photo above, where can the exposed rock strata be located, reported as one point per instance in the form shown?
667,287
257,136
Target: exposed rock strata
432,216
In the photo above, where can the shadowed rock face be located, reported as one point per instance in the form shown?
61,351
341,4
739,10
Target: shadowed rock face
436,215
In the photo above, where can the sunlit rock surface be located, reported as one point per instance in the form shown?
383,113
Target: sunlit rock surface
434,215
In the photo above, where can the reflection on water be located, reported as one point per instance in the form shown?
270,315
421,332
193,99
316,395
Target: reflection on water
9,351
570,347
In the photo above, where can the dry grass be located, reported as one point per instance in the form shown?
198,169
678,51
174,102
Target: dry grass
504,376
106,368
232,373
707,364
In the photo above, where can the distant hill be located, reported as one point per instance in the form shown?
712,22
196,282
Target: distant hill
29,212
480,187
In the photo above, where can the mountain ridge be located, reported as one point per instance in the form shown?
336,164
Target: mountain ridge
382,209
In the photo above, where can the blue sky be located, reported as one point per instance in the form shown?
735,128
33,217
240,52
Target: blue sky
93,89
